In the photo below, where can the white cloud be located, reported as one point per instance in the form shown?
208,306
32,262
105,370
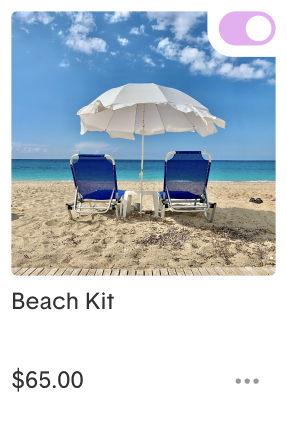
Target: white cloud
171,50
180,23
26,30
123,41
117,16
60,33
134,31
271,81
168,48
199,61
77,38
64,63
82,23
199,40
190,55
114,53
243,71
203,39
78,59
267,66
262,63
88,45
138,31
20,147
217,56
92,147
148,61
34,17
53,26
210,62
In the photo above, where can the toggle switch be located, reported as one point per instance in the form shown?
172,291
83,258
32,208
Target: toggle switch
247,28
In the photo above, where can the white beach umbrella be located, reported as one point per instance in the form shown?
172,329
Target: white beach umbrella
146,109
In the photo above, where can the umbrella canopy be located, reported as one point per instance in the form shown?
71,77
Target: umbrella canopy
146,109
119,112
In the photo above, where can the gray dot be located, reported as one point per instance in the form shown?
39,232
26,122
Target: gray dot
255,381
247,381
238,381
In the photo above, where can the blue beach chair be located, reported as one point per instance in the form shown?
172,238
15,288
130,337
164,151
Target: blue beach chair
96,185
185,181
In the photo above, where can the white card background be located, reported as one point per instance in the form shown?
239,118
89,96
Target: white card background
171,348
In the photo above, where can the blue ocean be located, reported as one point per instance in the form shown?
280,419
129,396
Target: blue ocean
128,170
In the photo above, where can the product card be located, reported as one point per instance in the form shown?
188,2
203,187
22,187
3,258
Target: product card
145,278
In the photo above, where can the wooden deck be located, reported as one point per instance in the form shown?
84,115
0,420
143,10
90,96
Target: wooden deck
220,271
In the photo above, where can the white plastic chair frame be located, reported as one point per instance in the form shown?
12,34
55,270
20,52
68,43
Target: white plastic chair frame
93,209
187,205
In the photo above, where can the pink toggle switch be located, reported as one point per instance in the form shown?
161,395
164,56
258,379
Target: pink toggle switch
232,28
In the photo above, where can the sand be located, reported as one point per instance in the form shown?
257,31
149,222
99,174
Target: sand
242,234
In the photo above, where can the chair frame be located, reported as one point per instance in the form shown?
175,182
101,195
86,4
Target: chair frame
186,205
93,209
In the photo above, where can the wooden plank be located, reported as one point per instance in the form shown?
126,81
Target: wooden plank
212,271
172,272
233,271
28,272
244,271
237,271
268,269
60,272
240,271
44,272
252,271
228,271
180,272
203,272
91,272
220,271
37,272
261,271
188,272
21,271
68,272
76,272
52,272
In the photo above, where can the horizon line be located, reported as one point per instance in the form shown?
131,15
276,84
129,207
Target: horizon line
139,159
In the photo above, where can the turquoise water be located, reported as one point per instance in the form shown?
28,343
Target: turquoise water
128,170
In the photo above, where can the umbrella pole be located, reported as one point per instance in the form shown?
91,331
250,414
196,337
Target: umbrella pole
142,162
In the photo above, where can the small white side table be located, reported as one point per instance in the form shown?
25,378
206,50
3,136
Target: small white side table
128,199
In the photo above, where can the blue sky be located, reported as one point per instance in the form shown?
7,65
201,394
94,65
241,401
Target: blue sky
63,61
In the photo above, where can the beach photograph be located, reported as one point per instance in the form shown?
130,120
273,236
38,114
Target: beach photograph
145,153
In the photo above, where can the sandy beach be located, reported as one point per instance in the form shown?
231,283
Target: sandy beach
242,234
